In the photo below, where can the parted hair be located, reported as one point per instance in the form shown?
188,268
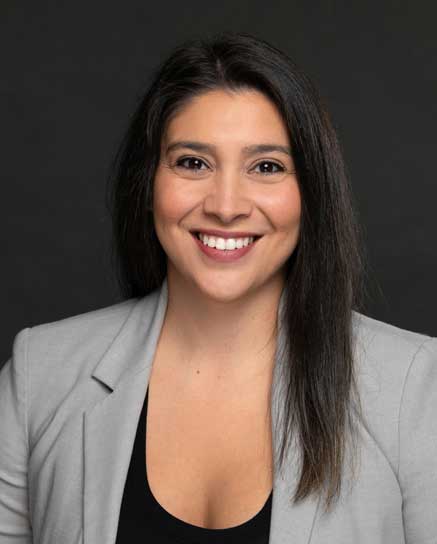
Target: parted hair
324,274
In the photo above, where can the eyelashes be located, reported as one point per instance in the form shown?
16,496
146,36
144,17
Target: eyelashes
196,161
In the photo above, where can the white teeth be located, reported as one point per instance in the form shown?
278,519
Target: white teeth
224,243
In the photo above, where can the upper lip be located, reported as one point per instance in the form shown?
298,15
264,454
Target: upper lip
226,234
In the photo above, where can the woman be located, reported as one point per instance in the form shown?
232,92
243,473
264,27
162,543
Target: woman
237,393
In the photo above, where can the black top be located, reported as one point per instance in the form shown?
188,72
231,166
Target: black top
143,519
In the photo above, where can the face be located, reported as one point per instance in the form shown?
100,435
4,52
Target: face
211,176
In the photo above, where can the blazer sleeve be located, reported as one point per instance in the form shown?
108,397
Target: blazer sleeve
15,525
418,446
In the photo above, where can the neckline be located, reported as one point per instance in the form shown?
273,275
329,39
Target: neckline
253,524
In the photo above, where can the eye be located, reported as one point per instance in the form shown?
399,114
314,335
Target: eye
194,165
193,161
269,164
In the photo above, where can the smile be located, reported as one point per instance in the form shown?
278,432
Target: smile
224,250
225,243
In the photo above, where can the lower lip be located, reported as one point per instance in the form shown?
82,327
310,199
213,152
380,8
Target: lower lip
226,255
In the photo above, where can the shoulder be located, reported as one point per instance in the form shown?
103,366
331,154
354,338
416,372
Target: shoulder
79,341
52,363
379,335
386,355
396,370
51,356
385,352
76,336
63,353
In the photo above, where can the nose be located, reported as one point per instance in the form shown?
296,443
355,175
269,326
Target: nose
227,198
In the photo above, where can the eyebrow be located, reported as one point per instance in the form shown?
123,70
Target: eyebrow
248,150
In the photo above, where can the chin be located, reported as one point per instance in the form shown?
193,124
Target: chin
222,289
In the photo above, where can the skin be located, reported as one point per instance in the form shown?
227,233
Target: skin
220,316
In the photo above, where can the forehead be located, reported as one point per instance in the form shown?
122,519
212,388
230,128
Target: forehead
224,116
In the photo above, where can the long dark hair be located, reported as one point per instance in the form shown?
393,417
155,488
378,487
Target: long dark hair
324,280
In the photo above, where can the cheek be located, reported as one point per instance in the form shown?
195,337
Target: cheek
171,200
285,208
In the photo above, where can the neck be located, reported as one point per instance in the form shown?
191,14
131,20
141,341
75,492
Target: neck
231,341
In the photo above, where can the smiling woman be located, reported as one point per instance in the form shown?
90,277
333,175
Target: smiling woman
238,393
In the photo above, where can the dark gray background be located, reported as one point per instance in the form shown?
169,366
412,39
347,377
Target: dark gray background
73,71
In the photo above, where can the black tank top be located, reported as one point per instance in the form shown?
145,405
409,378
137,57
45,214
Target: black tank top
143,519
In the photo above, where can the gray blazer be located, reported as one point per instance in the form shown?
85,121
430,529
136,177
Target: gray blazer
70,399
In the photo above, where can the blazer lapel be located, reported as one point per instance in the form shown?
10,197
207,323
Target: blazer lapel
291,524
110,428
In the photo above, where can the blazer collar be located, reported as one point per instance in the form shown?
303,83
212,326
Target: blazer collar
135,344
110,428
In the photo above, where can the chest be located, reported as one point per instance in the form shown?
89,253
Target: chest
208,458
